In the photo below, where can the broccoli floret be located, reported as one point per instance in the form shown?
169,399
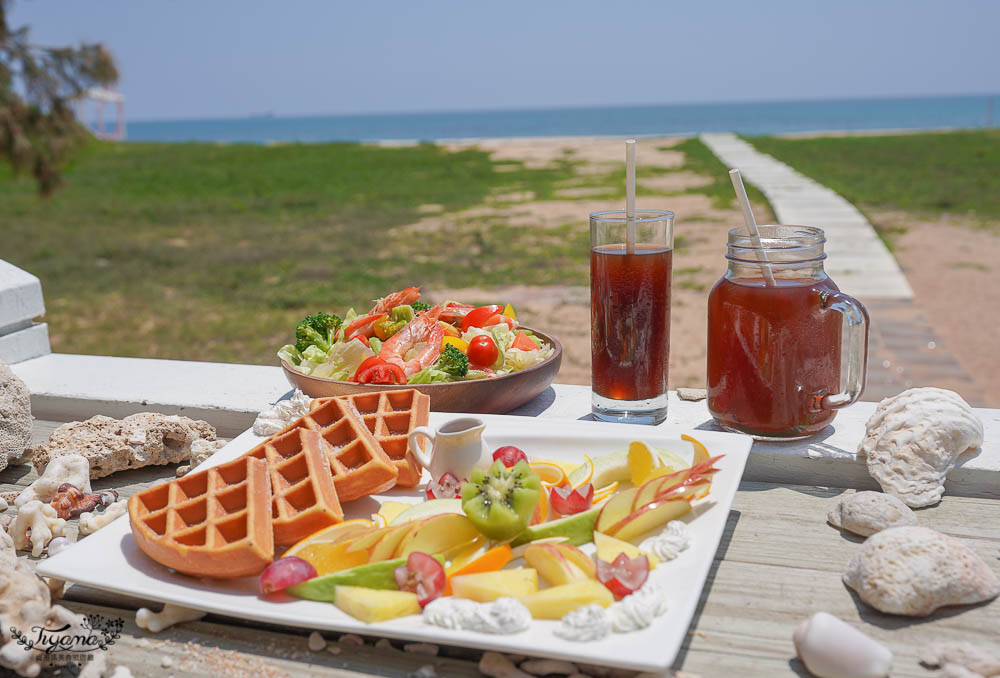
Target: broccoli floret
318,329
420,306
453,361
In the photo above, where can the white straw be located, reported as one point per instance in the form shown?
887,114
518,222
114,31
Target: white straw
741,196
630,196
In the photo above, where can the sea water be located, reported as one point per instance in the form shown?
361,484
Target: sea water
745,118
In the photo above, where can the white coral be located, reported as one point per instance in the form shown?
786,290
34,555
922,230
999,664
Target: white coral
15,416
913,439
281,414
154,622
24,604
72,468
92,522
138,440
201,450
35,525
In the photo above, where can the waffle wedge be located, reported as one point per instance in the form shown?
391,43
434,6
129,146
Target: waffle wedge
214,523
359,465
390,416
303,496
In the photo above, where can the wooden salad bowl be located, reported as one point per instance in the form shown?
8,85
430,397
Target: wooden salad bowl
482,396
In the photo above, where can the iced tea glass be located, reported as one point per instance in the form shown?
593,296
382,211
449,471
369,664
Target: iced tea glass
630,315
782,358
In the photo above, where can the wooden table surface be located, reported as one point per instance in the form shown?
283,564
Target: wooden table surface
778,562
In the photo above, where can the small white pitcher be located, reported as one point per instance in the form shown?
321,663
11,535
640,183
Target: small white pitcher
457,447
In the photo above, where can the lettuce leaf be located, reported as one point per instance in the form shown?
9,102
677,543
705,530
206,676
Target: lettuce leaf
343,361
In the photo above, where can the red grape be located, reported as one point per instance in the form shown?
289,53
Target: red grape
285,572
422,575
509,455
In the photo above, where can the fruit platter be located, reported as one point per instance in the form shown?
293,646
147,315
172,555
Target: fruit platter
467,358
565,539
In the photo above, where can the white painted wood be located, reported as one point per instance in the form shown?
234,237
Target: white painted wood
859,261
28,342
20,296
828,459
68,387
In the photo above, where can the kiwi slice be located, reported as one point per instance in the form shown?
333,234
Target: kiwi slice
500,501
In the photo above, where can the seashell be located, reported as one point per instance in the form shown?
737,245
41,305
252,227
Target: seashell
914,570
868,512
70,501
832,648
960,653
58,544
913,439
108,496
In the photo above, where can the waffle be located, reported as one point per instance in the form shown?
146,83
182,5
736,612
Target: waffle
214,523
390,416
302,492
360,467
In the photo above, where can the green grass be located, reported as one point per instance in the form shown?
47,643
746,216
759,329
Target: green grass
932,173
213,252
700,160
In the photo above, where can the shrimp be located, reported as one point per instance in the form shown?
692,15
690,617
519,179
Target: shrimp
365,325
417,345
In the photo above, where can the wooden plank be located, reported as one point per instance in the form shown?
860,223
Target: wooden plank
214,647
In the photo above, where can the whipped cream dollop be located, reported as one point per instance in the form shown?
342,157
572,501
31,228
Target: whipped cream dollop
503,616
281,414
669,543
638,610
583,624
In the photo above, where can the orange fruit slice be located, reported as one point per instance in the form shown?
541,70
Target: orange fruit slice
549,472
491,561
326,550
700,451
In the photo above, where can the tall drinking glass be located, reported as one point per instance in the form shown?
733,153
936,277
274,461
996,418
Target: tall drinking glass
630,315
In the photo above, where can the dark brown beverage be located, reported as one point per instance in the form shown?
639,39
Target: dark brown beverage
630,320
769,350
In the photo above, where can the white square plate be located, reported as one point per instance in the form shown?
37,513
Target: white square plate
111,560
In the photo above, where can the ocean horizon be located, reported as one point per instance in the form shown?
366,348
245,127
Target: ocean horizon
753,118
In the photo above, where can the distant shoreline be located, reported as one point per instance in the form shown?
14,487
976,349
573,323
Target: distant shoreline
770,118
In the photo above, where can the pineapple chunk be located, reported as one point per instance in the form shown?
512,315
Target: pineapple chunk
485,587
556,602
375,605
608,548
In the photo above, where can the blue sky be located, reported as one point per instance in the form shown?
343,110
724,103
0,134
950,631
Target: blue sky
190,59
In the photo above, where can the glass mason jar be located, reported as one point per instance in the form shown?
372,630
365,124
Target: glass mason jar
783,355
630,315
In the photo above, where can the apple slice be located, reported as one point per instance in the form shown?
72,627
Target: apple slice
559,563
485,587
647,518
438,534
618,507
369,540
385,548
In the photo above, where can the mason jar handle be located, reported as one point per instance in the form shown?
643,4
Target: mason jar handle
854,344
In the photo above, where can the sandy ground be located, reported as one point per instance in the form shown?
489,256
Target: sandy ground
699,229
950,263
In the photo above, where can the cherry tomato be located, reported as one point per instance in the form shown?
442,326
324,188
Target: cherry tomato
509,455
624,575
478,317
448,486
482,351
567,500
375,370
422,575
